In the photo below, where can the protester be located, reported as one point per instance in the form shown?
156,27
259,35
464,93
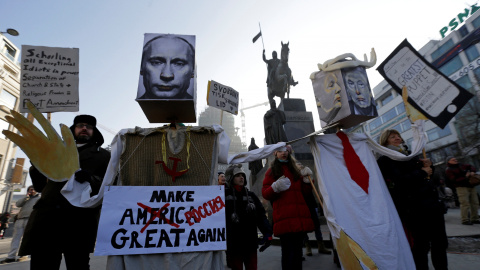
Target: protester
56,227
244,213
312,206
467,194
26,203
4,219
221,179
417,202
284,187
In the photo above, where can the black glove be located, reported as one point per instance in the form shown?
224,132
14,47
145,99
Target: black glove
266,241
83,176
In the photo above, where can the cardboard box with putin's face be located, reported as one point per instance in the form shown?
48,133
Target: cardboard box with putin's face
167,84
343,95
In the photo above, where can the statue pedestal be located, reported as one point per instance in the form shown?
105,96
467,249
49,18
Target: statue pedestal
299,123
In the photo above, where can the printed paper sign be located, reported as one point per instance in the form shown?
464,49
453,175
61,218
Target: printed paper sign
223,97
433,94
49,78
160,219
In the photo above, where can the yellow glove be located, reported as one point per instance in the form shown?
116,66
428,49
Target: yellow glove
55,158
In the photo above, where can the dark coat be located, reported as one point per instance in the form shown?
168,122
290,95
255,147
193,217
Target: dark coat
412,193
57,225
243,236
456,174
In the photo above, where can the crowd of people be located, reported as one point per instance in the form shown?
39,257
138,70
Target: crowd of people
287,186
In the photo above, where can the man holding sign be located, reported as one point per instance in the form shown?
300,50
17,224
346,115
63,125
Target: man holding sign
57,227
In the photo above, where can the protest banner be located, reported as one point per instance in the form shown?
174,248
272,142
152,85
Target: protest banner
49,78
429,91
159,219
222,97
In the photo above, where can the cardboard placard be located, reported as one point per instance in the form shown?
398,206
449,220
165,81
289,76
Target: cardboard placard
167,83
429,91
222,97
49,78
158,219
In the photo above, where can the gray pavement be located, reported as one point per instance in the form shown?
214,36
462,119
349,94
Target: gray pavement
270,259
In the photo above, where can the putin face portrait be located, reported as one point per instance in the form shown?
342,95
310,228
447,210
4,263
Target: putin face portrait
167,67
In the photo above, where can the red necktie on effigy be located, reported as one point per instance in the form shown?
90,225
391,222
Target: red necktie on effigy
355,167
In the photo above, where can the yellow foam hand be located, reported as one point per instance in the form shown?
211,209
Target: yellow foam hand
412,113
55,158
351,254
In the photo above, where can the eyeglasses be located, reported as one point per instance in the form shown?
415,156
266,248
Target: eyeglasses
81,125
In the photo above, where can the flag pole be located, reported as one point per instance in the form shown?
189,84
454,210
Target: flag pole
261,35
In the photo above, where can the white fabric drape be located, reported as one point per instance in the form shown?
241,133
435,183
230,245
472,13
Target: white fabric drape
370,219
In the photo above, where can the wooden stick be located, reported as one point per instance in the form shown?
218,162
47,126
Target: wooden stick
315,191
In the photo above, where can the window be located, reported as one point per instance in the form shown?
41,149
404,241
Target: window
451,66
7,99
389,115
463,31
442,49
472,53
386,99
397,110
400,108
464,82
375,123
437,133
476,23
9,51
3,125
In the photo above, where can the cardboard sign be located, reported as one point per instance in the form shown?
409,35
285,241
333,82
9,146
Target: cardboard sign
223,97
158,219
429,91
343,96
167,83
49,78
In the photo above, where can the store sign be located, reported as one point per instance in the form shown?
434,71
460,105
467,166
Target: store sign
464,70
461,17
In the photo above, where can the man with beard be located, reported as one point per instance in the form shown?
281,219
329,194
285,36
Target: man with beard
55,226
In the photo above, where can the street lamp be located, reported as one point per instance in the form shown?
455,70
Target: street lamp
11,31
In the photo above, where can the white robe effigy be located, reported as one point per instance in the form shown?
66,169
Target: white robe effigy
371,220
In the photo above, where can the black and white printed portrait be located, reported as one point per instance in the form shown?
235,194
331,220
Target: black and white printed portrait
168,67
327,88
358,91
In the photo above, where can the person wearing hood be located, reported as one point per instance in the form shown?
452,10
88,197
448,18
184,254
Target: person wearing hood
55,226
285,187
244,214
467,194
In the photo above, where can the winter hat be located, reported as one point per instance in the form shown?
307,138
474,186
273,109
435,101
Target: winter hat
448,159
97,137
233,170
287,148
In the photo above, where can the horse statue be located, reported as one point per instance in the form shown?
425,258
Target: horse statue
281,78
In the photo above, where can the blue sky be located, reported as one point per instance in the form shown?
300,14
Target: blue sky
109,34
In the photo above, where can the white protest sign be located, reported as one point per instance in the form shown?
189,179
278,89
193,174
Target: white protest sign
49,78
429,91
161,219
223,97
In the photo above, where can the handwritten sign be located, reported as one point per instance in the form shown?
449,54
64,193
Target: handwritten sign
146,219
49,78
223,97
429,91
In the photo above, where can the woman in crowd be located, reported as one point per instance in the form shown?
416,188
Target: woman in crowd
244,213
284,186
417,203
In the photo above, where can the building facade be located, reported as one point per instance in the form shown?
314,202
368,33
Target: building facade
457,56
9,100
